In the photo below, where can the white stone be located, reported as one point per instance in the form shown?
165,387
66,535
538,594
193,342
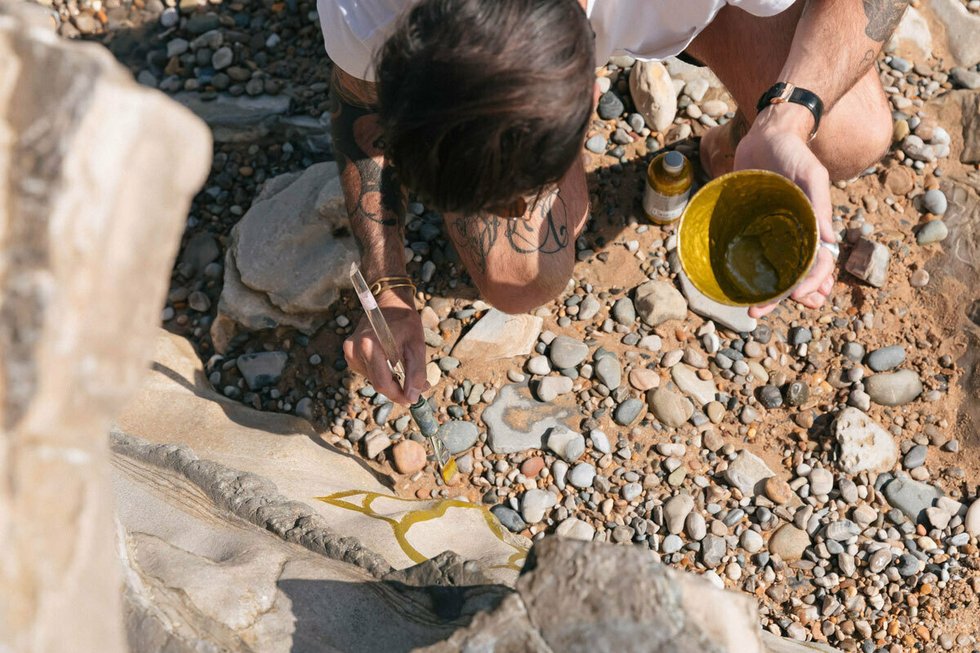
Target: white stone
864,445
734,318
912,38
97,174
653,94
498,336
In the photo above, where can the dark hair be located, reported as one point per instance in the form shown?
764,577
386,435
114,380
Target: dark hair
485,101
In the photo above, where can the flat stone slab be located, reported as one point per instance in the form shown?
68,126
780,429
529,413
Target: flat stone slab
734,318
516,421
497,336
176,406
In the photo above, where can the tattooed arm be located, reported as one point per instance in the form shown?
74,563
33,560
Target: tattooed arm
836,43
375,206
373,194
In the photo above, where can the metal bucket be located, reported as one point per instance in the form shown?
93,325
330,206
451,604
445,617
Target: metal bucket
748,238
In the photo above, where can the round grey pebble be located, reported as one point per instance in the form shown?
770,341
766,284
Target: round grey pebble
934,201
916,457
458,436
566,353
623,311
886,358
627,412
596,144
932,232
509,518
770,396
610,106
582,475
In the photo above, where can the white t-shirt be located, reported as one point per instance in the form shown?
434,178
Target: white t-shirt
645,29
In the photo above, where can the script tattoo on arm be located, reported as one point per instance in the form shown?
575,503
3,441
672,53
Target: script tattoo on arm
883,17
372,190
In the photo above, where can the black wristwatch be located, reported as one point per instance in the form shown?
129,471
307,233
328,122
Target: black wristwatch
786,92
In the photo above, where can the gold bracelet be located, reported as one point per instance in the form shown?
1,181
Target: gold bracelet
390,283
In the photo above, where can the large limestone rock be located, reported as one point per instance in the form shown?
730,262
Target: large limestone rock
311,481
96,177
201,574
574,596
288,258
962,28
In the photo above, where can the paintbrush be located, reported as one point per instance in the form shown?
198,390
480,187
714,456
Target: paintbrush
421,411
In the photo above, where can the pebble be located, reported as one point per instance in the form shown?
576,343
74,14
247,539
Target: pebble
551,387
676,511
972,520
879,560
797,393
789,543
609,372
566,443
575,529
934,201
610,106
863,444
821,481
911,497
841,530
535,503
746,471
671,544
409,456
376,442
938,517
919,278
893,388
657,302
916,457
539,365
623,311
713,550
600,442
643,379
778,491
751,541
932,232
670,408
582,475
631,491
458,436
510,519
886,358
532,466
702,391
262,369
596,144
695,526
770,397
627,412
566,353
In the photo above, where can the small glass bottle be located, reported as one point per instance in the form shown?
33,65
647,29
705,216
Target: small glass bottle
669,179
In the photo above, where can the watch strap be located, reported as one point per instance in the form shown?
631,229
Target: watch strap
785,92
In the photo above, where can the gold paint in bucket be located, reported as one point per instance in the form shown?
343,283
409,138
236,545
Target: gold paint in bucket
748,238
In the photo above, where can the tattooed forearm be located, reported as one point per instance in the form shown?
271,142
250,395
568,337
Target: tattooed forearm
883,17
372,191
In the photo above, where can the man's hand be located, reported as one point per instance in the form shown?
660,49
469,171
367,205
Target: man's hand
777,141
365,356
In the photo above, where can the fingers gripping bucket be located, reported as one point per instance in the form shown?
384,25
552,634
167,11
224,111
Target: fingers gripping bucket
748,238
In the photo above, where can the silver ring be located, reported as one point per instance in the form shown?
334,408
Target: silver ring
833,248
